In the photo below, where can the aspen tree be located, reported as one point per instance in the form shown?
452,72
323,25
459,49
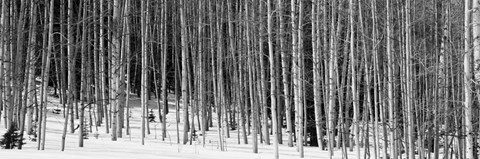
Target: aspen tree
115,70
185,93
102,69
408,78
317,78
202,73
331,81
299,101
285,66
8,104
353,65
144,66
3,53
164,69
128,65
18,73
376,94
273,79
122,9
96,69
83,84
263,83
46,72
293,11
475,14
250,81
30,73
219,93
390,76
467,68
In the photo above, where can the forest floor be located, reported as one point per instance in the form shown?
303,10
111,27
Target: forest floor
130,146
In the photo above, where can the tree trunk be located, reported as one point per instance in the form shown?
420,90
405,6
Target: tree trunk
299,97
102,70
32,88
467,68
46,73
285,66
408,76
390,70
353,65
144,56
253,106
273,89
331,82
185,93
164,71
84,76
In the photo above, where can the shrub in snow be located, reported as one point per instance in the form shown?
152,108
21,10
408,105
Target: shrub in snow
11,138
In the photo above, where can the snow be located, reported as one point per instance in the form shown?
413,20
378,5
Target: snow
130,146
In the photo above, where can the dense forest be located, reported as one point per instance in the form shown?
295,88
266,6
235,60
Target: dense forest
377,78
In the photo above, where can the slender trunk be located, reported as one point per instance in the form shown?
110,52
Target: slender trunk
98,94
102,69
273,89
2,56
293,11
300,101
177,100
144,67
114,57
121,63
390,74
285,69
409,91
476,69
467,68
331,82
353,65
185,93
83,84
31,76
8,108
30,86
46,73
164,71
376,95
263,83
250,82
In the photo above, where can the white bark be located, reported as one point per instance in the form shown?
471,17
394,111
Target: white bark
467,68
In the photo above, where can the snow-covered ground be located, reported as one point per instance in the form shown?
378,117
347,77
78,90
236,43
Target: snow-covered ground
130,147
